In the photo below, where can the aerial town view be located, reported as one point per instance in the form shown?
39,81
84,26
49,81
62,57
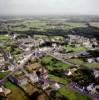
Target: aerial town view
48,56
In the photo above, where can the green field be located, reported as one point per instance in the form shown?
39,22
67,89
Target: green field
39,24
58,79
74,49
93,65
76,61
52,63
81,62
16,94
28,25
71,94
4,38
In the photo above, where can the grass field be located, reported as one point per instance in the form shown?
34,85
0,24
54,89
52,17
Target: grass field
76,61
29,24
71,94
4,37
93,65
17,93
74,49
58,79
52,63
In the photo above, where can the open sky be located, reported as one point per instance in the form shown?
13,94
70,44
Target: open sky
44,7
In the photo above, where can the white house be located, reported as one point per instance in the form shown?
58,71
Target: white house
96,73
56,86
45,85
33,77
90,60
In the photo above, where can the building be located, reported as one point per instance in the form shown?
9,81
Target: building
93,89
33,77
69,72
56,86
45,85
97,59
23,81
90,60
96,73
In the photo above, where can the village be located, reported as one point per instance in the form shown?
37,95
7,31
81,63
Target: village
37,59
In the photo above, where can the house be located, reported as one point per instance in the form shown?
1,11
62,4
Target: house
97,89
11,68
87,44
41,41
14,36
69,72
97,59
23,81
90,87
96,73
33,67
84,54
33,77
1,90
90,60
54,45
1,58
42,73
4,91
55,86
45,85
93,89
13,79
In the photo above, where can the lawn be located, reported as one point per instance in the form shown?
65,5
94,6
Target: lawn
58,79
74,49
17,93
71,94
76,61
93,65
4,37
52,63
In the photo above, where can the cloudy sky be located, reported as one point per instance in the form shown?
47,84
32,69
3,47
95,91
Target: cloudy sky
41,7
